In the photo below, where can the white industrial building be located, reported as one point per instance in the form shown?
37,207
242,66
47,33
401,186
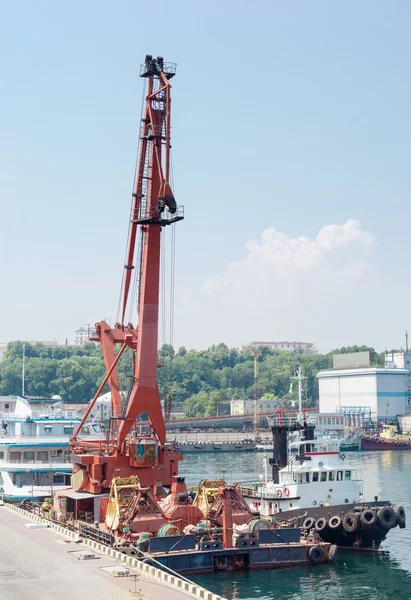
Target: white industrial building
377,391
246,407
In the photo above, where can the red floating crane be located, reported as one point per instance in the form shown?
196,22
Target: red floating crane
124,453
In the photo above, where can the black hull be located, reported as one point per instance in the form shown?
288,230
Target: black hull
370,539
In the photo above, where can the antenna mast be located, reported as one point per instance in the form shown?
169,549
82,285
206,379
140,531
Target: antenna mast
299,377
23,374
406,340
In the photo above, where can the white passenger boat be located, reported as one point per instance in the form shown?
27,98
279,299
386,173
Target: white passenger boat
35,456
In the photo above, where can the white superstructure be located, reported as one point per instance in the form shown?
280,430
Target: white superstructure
316,475
35,454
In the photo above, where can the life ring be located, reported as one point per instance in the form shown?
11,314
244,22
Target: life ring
286,492
279,494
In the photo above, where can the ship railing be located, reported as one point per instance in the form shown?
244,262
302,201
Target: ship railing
281,421
24,461
251,490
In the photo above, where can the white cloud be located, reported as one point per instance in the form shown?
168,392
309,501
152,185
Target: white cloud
318,290
276,254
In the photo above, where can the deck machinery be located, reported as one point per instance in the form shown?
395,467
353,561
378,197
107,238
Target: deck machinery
124,453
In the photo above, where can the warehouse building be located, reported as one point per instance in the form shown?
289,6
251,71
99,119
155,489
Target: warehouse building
382,393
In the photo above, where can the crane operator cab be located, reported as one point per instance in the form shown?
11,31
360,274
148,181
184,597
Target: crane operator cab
143,452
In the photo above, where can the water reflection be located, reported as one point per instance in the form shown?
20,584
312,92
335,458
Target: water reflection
352,577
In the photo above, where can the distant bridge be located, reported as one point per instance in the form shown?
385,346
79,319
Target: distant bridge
238,422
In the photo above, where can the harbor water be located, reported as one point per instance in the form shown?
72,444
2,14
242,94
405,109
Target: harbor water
385,575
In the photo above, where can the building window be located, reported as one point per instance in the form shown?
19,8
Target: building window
323,476
315,476
28,456
1,455
347,475
59,478
68,429
48,429
7,405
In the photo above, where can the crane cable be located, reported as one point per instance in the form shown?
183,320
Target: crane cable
132,201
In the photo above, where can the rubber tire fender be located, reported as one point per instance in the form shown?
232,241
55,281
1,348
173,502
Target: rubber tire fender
400,514
387,517
321,524
351,523
315,554
335,522
332,553
368,518
309,523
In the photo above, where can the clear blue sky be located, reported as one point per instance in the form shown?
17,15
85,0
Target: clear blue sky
286,115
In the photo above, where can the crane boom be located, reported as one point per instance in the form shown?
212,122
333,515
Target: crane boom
153,207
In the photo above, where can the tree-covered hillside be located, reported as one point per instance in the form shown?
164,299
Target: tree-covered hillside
200,382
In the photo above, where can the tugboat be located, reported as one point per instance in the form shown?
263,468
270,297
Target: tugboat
388,439
316,489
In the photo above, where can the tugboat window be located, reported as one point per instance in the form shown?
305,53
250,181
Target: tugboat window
331,476
339,475
315,476
323,476
347,475
307,478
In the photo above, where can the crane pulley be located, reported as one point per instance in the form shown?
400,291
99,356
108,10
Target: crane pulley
124,453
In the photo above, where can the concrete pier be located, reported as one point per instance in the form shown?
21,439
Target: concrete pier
39,563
